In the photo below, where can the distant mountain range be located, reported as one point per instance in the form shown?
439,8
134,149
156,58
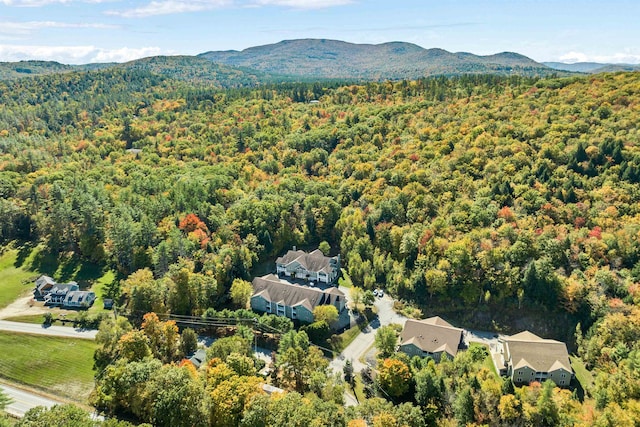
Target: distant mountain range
313,59
591,67
397,60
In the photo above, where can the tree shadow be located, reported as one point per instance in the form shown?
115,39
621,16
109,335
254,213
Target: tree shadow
65,268
45,262
23,253
577,388
88,273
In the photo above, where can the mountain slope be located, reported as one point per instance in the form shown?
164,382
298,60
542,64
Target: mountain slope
194,69
591,67
16,70
337,59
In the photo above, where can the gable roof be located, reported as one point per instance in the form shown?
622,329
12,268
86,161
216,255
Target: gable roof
271,288
198,358
433,335
313,261
78,297
542,355
64,288
44,282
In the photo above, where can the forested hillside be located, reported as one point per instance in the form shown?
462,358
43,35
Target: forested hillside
322,59
501,198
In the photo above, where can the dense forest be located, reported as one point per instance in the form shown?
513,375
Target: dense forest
512,202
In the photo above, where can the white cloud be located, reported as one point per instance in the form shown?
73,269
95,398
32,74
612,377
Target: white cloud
304,4
627,57
25,28
38,3
74,54
170,7
125,54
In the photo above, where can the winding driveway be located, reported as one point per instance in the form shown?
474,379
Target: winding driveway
365,340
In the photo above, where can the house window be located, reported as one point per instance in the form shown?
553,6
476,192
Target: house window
268,304
564,375
519,379
562,382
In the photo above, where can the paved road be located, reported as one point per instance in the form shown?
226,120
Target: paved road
24,400
54,331
365,340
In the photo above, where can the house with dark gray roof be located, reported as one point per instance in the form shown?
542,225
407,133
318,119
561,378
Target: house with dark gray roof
530,358
431,337
313,266
274,295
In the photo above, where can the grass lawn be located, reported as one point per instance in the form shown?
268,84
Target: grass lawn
487,363
358,390
100,287
61,366
15,281
29,318
582,374
345,338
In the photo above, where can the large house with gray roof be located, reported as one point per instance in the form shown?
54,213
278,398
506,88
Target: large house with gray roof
274,295
529,358
430,337
313,266
67,295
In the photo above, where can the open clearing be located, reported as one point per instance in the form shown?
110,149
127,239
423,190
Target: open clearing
19,267
60,366
14,281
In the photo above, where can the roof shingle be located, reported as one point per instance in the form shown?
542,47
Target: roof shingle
433,335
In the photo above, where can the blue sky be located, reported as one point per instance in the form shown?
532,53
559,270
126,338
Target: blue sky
82,31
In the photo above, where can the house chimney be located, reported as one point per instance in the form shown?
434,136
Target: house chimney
294,248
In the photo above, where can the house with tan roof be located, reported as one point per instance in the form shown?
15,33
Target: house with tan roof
313,266
280,297
530,358
431,337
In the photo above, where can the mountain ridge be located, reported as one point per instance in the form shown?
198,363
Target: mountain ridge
325,58
592,67
305,60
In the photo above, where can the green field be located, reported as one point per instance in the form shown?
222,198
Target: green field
61,366
582,374
16,279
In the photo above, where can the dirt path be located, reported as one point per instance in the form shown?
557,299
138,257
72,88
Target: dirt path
23,306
